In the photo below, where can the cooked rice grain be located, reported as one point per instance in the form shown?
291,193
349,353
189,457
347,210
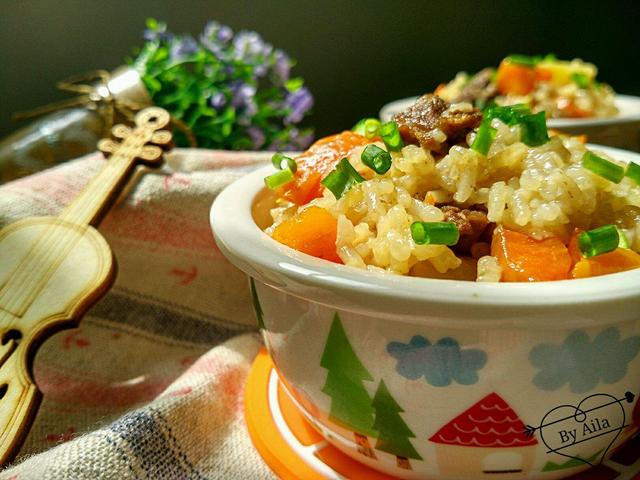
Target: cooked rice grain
541,191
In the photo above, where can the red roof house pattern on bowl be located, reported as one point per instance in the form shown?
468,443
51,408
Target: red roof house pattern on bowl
487,435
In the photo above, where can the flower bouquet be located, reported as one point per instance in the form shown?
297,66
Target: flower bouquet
223,91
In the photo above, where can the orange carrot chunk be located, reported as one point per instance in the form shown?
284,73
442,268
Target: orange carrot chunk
317,162
525,259
543,74
312,231
515,79
620,260
439,89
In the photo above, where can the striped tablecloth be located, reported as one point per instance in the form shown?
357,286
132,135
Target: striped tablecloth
150,385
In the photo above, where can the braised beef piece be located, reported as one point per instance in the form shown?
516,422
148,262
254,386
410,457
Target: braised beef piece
420,122
480,87
472,224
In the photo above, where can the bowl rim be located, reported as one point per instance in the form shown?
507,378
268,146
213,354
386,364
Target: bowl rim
623,102
342,286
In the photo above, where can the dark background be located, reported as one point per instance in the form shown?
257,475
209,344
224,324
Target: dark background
354,56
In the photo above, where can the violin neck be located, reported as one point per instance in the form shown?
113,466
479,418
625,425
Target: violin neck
88,207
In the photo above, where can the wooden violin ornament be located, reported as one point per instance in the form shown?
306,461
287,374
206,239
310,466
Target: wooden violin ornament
53,268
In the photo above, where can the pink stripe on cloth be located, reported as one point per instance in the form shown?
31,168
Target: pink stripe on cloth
161,229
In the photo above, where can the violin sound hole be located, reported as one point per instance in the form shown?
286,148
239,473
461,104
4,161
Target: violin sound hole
12,334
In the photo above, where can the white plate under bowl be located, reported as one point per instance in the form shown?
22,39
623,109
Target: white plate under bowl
621,131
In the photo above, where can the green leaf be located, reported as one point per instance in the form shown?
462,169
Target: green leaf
294,84
152,23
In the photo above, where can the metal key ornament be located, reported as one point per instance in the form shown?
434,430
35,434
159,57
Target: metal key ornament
52,269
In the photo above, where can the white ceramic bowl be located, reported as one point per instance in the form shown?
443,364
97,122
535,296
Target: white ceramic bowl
440,379
621,131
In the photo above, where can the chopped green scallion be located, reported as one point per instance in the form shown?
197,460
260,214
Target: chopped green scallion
533,129
367,127
279,157
376,159
633,172
279,178
435,233
530,61
525,60
602,167
391,135
483,104
509,115
598,241
624,242
359,127
342,178
371,127
484,137
533,126
580,79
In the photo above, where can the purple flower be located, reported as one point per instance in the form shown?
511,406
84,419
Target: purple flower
249,45
214,30
299,102
218,101
275,146
149,35
224,34
246,113
214,36
257,137
212,46
158,34
282,66
182,48
260,70
242,100
242,93
298,140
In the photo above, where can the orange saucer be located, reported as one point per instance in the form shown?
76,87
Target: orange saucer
294,450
